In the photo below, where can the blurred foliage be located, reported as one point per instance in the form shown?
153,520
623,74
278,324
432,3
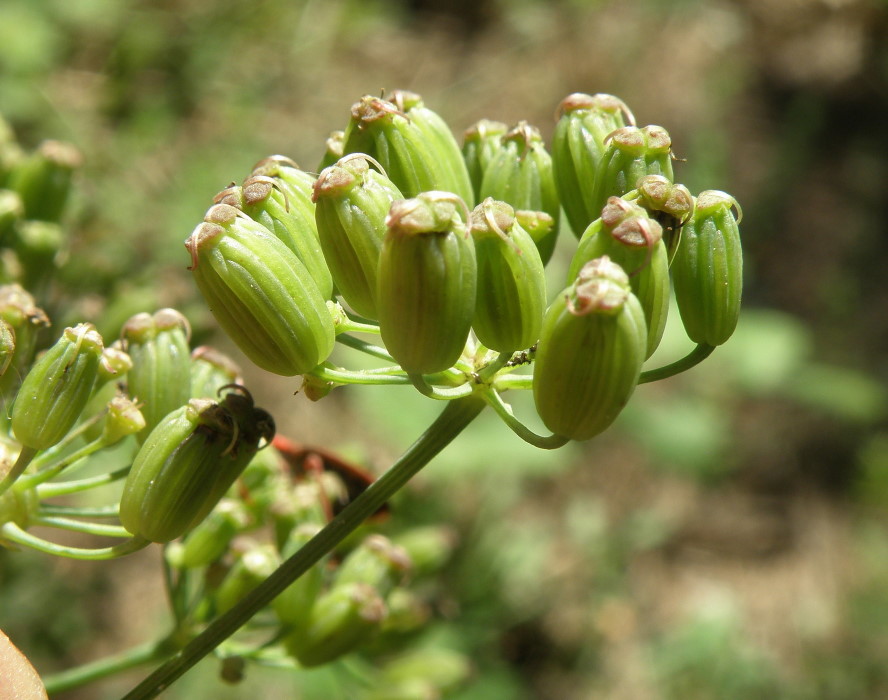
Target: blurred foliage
728,538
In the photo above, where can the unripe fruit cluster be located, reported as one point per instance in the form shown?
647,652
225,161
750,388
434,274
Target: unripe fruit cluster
387,228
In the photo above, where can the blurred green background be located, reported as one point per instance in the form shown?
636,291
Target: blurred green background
727,538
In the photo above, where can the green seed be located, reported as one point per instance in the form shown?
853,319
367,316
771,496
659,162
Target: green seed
707,272
426,283
590,353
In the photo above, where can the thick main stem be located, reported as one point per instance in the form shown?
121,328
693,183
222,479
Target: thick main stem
453,419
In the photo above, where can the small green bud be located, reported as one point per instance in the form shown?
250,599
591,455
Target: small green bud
260,293
429,547
481,141
351,204
188,462
333,149
631,154
590,353
633,240
707,271
520,173
578,144
252,567
426,283
511,294
160,377
123,418
377,562
341,620
56,390
413,157
115,363
43,179
408,612
210,371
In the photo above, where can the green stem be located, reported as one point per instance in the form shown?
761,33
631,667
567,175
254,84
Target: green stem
694,357
101,529
365,347
13,533
89,673
505,382
53,469
342,376
494,366
111,511
439,393
63,488
453,419
352,326
21,463
544,442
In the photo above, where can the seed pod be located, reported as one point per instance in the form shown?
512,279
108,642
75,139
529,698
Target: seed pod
584,121
260,293
444,146
520,173
43,179
210,371
481,141
57,388
668,204
341,620
590,352
708,269
426,283
511,294
630,154
412,158
160,378
290,218
333,150
631,239
351,203
188,462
